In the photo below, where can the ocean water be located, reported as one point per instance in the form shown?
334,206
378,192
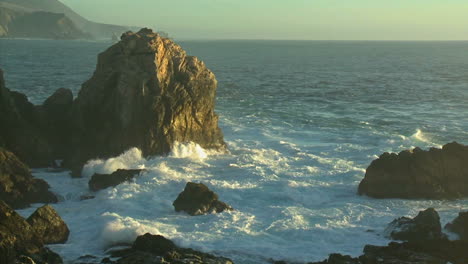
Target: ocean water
302,121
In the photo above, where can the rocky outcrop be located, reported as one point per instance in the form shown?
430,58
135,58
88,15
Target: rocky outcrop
17,186
155,249
102,181
48,225
425,226
433,174
197,199
145,93
19,242
459,225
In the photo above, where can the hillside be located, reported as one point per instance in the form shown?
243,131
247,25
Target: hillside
96,30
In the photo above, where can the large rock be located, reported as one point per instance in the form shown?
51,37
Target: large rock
19,241
425,226
434,174
156,249
145,93
102,181
459,225
49,225
197,199
17,186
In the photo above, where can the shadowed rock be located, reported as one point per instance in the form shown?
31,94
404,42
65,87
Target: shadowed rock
425,226
19,242
459,225
145,93
49,225
102,181
434,174
197,199
156,249
18,188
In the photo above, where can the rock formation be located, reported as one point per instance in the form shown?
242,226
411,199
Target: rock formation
197,199
459,225
17,186
48,225
155,249
102,181
434,174
425,226
19,242
145,93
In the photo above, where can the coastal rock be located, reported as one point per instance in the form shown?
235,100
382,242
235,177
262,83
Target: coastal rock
155,249
197,199
19,242
433,174
425,226
145,93
102,181
459,225
18,188
49,225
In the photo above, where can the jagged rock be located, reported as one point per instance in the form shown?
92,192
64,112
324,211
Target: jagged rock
425,226
49,225
19,241
459,225
339,259
434,174
18,188
102,181
145,93
197,199
19,133
155,249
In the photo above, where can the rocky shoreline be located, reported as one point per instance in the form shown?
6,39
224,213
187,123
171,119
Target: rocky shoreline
147,93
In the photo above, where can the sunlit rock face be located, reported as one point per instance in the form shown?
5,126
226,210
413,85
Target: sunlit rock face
433,174
146,93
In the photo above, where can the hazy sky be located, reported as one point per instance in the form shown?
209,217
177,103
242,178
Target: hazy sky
287,19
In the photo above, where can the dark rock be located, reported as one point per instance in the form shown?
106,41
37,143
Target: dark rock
155,249
339,259
459,225
425,226
197,199
433,174
145,93
19,242
49,225
102,181
17,186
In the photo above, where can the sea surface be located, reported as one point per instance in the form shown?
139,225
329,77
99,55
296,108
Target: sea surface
302,120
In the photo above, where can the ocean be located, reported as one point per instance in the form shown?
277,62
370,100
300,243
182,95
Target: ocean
302,120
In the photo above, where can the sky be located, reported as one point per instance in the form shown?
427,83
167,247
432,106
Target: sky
287,19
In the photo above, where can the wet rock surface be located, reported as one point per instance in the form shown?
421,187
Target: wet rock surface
197,199
425,226
19,242
433,174
49,225
103,181
18,188
155,249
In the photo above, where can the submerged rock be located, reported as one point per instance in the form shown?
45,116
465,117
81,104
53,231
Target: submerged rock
156,249
197,199
102,181
425,226
145,93
49,225
459,225
18,188
433,174
19,242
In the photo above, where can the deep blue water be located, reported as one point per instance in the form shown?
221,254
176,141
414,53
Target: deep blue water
303,120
